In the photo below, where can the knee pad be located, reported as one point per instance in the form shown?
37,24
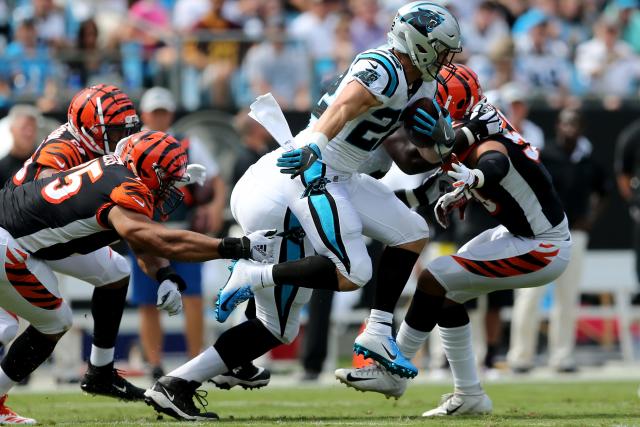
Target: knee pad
361,271
61,323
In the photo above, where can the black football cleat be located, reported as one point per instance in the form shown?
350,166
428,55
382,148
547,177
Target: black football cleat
246,376
106,381
174,396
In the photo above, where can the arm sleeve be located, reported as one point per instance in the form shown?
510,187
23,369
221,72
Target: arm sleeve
494,166
376,73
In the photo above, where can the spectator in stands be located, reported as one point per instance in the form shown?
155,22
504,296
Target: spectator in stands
91,63
366,31
343,53
256,142
316,28
280,68
23,125
48,20
627,169
202,210
607,65
216,59
512,97
542,61
29,62
571,26
187,13
495,68
487,27
627,12
582,186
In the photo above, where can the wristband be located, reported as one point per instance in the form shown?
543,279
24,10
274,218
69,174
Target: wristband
318,138
168,273
235,248
470,138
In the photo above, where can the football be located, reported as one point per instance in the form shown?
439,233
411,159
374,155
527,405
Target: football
410,121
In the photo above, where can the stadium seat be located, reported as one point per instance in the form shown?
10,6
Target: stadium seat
613,272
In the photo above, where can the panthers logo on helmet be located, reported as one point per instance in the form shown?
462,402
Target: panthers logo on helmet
423,20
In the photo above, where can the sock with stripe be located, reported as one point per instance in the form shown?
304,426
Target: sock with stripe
107,306
380,322
27,352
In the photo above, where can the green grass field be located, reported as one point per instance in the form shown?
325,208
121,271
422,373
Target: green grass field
538,404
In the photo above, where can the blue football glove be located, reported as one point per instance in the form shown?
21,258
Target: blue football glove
298,161
425,122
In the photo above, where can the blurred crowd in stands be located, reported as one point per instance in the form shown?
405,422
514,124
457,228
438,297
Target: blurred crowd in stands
221,53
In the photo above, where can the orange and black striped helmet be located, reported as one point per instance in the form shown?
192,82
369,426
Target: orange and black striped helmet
100,116
160,161
459,90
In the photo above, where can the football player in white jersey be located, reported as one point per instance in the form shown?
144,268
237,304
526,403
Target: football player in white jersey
332,202
531,247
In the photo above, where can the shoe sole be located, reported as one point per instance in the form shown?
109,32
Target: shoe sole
390,366
348,384
229,384
113,396
162,404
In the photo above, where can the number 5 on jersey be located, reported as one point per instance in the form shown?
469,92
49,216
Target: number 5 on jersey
56,191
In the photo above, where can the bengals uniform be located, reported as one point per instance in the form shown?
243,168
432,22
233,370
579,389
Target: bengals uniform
48,220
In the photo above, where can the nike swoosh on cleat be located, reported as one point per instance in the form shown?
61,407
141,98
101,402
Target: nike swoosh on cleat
391,355
356,379
169,395
223,306
122,389
451,411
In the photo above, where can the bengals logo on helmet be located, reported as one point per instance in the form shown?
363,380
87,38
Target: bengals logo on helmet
459,90
160,161
100,116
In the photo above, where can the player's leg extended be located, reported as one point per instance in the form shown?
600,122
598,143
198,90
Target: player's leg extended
29,289
335,231
405,234
502,262
108,271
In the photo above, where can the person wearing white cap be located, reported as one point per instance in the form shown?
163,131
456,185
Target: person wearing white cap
202,210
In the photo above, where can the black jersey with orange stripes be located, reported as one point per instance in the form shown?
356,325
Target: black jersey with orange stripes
524,201
60,151
65,214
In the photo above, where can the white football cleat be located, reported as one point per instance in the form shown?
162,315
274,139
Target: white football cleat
384,350
453,404
373,378
237,290
8,416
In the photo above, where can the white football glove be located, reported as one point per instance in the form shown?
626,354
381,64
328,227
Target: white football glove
262,244
196,174
485,120
471,178
169,298
457,198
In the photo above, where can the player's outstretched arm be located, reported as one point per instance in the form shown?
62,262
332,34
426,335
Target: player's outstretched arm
147,237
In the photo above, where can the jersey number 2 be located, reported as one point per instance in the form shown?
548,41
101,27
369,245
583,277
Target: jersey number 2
57,191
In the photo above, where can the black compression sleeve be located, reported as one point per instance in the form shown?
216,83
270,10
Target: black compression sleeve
494,166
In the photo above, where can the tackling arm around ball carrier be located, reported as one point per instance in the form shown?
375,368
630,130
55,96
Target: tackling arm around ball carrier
147,237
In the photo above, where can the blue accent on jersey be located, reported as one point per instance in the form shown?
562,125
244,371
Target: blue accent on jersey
391,87
291,249
327,223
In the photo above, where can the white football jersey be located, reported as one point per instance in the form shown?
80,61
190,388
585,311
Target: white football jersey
380,72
